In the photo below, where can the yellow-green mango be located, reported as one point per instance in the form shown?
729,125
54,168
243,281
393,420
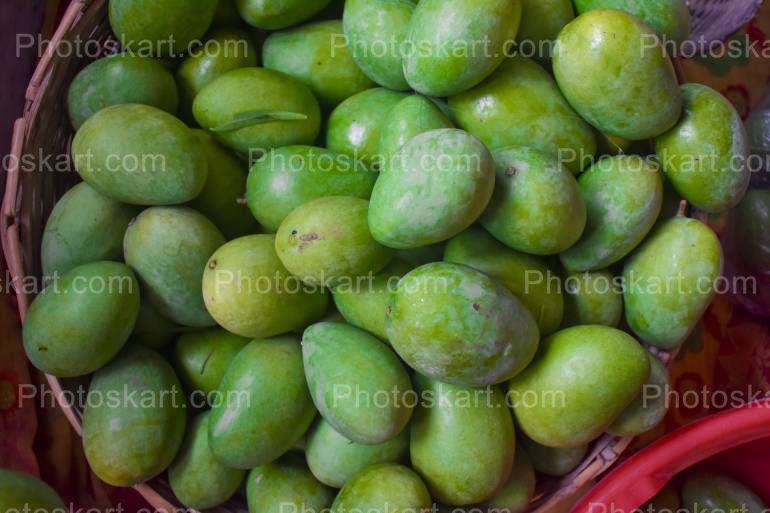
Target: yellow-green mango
357,382
152,329
517,493
623,195
201,358
168,248
670,281
607,369
670,19
82,320
614,71
23,492
286,485
383,488
707,492
552,461
527,276
258,420
411,117
463,442
249,292
650,406
135,418
592,298
541,22
278,14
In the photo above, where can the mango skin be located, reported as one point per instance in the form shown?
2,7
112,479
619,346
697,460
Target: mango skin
453,323
517,493
525,275
433,188
439,24
463,442
343,364
615,73
384,488
316,55
84,226
607,370
371,26
537,206
334,459
286,485
365,306
411,117
316,247
669,281
670,19
623,196
82,320
246,90
120,79
552,461
151,329
705,155
285,178
163,29
355,126
268,415
278,14
234,282
752,229
541,22
168,248
705,491
24,492
649,408
221,199
592,298
129,442
197,479
201,358
140,155
521,105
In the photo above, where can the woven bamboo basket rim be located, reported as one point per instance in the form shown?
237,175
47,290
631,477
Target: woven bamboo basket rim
16,231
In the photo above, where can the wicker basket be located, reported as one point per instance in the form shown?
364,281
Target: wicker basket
43,132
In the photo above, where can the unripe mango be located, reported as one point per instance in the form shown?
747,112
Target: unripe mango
383,488
286,485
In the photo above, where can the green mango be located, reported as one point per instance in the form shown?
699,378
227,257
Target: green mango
221,199
249,292
669,281
706,492
705,155
151,329
423,254
201,358
463,441
666,501
284,486
334,459
515,495
670,19
592,298
84,226
120,79
521,105
285,178
541,22
553,461
135,418
319,249
140,155
316,55
349,372
355,126
441,54
527,276
82,320
453,323
623,195
649,407
615,73
383,488
164,28
252,110
569,409
364,306
537,206
168,248
752,229
433,188
22,492
258,420
411,117
197,479
278,14
225,49
374,31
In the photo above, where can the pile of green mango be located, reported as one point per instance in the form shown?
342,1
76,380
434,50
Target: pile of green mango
294,233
